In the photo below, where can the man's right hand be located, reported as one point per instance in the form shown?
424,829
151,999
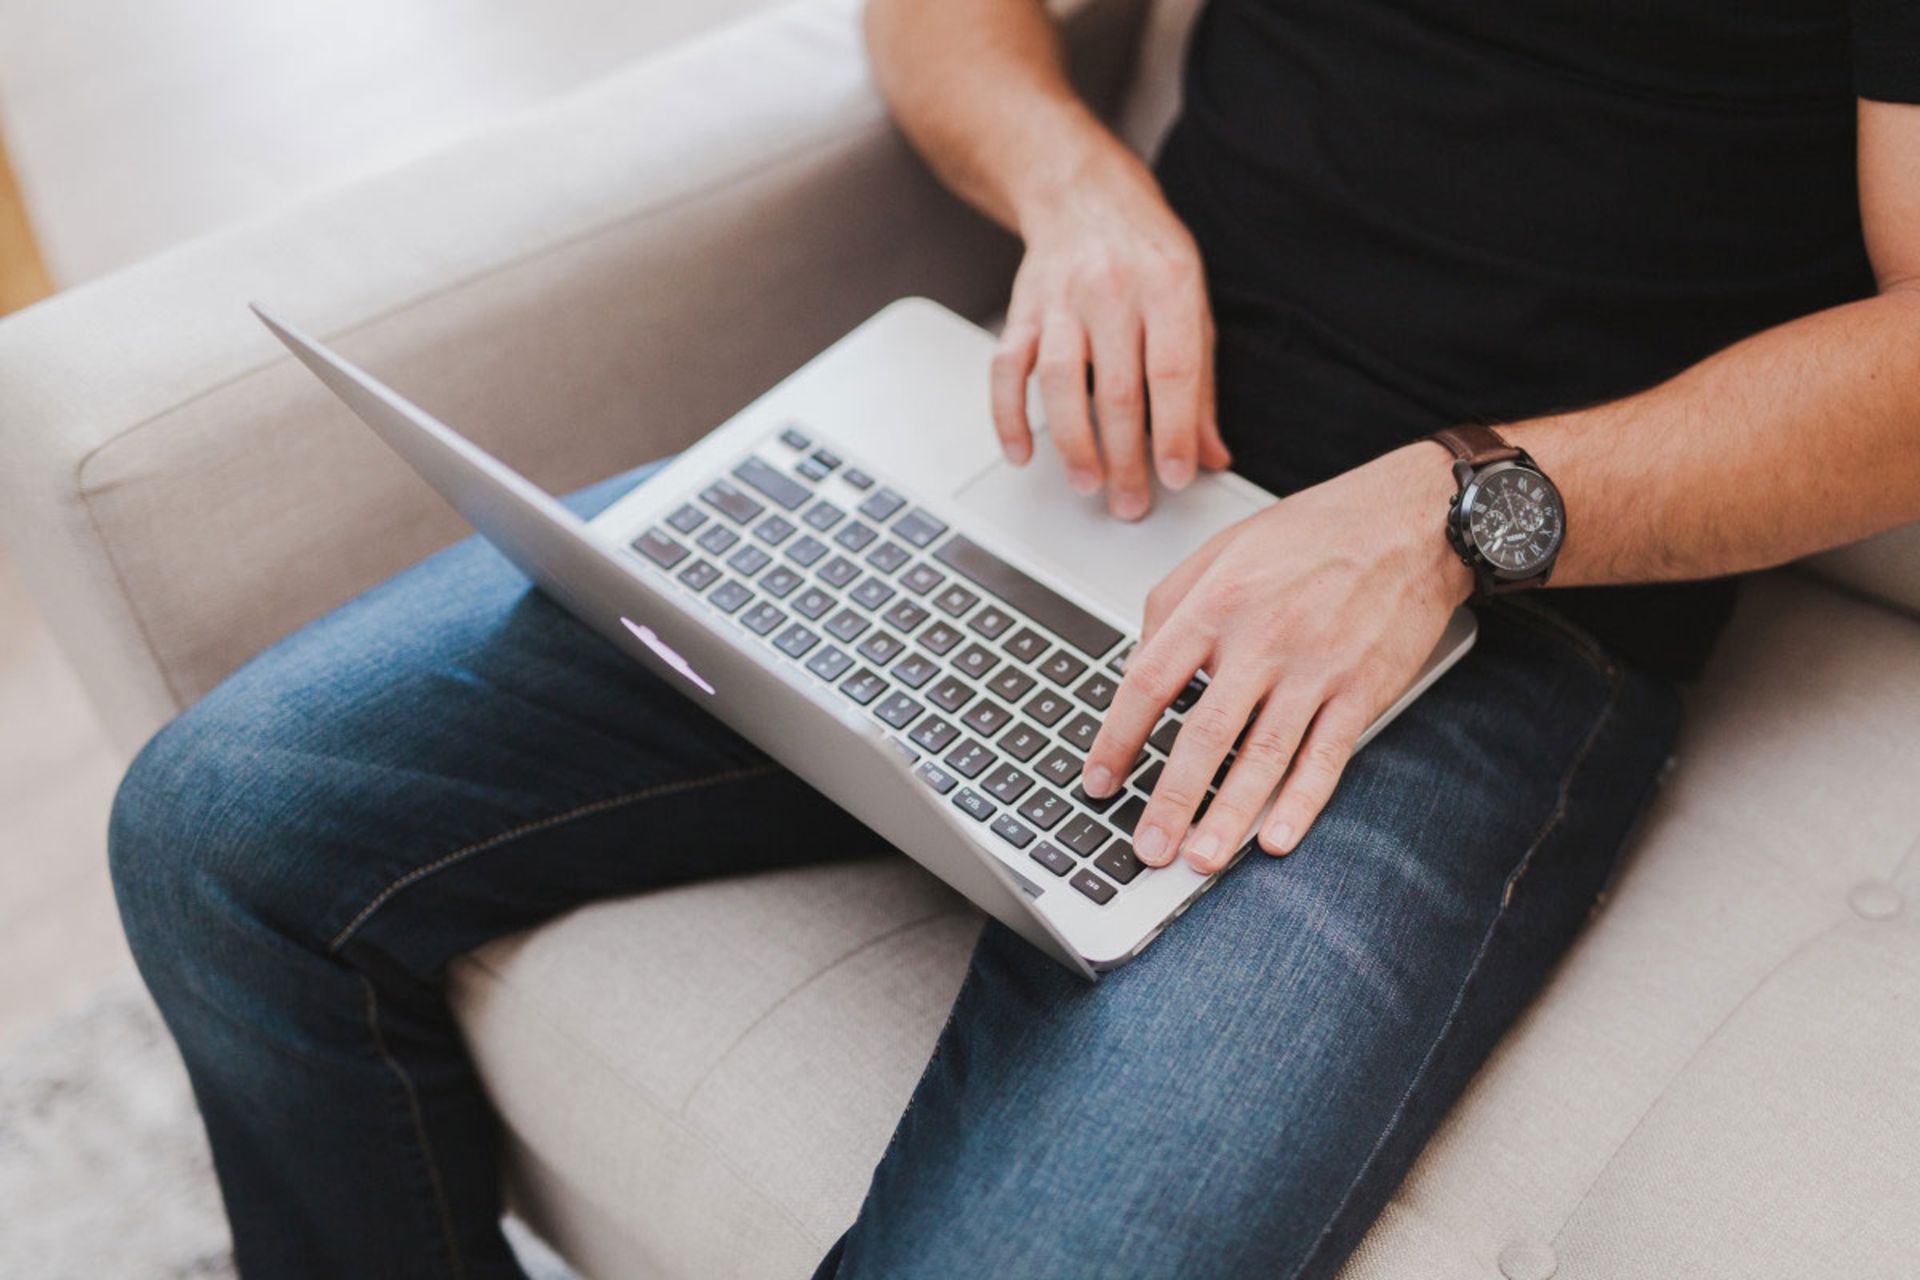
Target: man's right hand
1111,281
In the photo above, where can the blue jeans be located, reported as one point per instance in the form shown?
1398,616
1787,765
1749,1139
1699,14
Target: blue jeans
451,758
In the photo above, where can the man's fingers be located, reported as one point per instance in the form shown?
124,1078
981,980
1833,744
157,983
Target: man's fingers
1214,455
1156,673
1316,771
1206,736
1012,365
1061,367
1176,362
1262,759
1120,405
1172,589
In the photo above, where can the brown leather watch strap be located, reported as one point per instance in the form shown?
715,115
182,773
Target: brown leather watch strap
1476,446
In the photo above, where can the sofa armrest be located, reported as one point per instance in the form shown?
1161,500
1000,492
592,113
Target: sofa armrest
594,285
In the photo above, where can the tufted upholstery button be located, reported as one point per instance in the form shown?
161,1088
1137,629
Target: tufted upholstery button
1528,1260
1875,900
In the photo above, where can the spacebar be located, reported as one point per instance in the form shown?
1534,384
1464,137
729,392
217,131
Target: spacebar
1041,603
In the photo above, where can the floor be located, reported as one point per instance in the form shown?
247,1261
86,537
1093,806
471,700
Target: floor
131,125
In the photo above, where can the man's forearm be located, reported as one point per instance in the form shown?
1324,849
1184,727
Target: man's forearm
980,88
1802,437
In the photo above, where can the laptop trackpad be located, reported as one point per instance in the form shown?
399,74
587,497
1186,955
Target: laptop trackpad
1114,562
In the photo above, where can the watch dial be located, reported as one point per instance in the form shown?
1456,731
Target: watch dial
1516,520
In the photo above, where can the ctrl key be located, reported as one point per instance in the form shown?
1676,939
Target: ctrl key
1050,857
937,778
1093,886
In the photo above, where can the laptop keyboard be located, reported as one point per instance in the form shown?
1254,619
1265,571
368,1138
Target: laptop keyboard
990,682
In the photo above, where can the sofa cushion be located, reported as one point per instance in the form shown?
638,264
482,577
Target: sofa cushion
1717,1083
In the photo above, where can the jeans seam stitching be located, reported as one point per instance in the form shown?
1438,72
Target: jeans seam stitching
415,876
1468,982
434,1181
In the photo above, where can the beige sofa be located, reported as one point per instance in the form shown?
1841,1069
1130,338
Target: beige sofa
1722,1081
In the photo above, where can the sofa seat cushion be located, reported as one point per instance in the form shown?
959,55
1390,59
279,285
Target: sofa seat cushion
1717,1083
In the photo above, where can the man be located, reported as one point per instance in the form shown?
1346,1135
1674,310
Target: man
1642,239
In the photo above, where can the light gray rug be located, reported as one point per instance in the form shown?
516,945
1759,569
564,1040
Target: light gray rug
103,1167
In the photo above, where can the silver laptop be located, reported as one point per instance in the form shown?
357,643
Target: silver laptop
848,574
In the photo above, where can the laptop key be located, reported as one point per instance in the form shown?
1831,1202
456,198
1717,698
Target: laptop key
780,581
1127,816
969,759
823,515
1119,862
905,615
1093,886
991,622
857,478
1011,683
729,595
772,482
700,575
956,600
762,618
898,710
1013,831
1161,739
812,468
829,663
986,717
918,527
687,518
731,502
863,686
659,548
975,660
1083,835
951,694
1118,662
1097,690
937,778
1022,742
1027,595
847,625
717,539
915,670
872,593
888,556
1080,731
922,578
881,505
795,641
1149,778
1051,858
934,734
1047,707
940,638
1060,767
805,550
880,648
1044,809
1183,702
838,572
1026,644
1061,667
826,458
1007,784
1098,805
813,602
748,560
975,805
855,536
793,439
774,530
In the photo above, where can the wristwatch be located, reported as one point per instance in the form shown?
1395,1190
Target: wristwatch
1507,521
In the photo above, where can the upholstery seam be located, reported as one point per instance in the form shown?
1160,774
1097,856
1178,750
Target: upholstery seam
419,873
740,179
434,1181
830,966
1468,981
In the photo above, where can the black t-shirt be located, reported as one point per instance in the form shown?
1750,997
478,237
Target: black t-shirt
1416,213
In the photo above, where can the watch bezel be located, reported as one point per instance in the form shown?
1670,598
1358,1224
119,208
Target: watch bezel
1463,524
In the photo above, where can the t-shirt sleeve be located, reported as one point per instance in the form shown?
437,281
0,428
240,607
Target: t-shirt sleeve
1886,50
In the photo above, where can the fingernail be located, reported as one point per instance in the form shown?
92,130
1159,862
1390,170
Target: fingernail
1281,838
1099,780
1083,482
1129,506
1177,473
1017,453
1201,850
1151,844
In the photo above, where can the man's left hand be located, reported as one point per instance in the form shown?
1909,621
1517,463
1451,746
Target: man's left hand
1309,619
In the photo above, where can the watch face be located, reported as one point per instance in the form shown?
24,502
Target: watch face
1516,520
